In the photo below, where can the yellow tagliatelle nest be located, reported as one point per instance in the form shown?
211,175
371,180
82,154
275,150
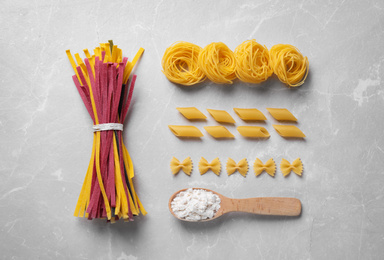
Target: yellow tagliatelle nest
218,63
253,62
180,63
289,64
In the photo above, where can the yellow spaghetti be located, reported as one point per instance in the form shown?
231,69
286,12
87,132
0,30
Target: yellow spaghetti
218,63
253,62
180,63
289,64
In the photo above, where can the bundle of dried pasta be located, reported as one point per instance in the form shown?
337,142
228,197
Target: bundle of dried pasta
104,86
289,64
252,62
180,63
218,63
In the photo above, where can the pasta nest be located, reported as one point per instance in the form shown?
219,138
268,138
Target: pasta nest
253,62
289,64
218,63
180,63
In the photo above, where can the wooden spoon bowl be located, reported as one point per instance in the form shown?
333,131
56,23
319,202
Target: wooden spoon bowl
274,206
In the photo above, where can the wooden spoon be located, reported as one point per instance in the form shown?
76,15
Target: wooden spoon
261,206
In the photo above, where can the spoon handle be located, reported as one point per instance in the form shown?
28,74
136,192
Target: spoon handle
264,206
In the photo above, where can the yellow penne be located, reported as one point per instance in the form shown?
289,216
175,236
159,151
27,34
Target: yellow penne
191,113
281,114
221,116
218,131
185,131
250,114
253,131
289,131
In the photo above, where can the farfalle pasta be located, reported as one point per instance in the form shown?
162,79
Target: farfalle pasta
253,131
281,114
214,166
191,113
221,116
186,165
218,63
180,63
250,114
269,167
289,65
219,131
286,167
241,166
185,131
253,64
289,131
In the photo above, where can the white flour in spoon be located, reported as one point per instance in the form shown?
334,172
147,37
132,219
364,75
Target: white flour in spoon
195,204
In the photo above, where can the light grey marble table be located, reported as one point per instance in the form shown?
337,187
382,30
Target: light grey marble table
46,133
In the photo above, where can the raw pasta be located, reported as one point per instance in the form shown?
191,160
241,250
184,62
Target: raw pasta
221,116
218,63
205,166
269,167
191,113
253,131
186,166
296,167
253,62
281,114
250,114
185,131
241,167
218,131
289,131
289,65
180,63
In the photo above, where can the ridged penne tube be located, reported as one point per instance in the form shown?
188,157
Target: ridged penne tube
289,131
250,114
191,113
221,116
281,114
185,131
218,131
253,131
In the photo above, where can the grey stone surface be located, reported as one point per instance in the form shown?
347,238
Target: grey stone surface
46,133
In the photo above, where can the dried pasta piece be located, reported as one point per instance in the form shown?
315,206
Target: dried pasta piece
253,131
289,131
241,167
218,63
186,166
218,131
191,113
296,167
253,62
185,131
205,166
180,63
281,114
269,167
221,116
289,65
250,114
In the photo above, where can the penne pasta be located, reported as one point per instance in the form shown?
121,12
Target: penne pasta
191,113
185,131
218,132
221,116
281,114
250,114
253,131
289,131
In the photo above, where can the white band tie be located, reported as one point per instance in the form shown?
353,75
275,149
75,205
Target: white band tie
107,127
